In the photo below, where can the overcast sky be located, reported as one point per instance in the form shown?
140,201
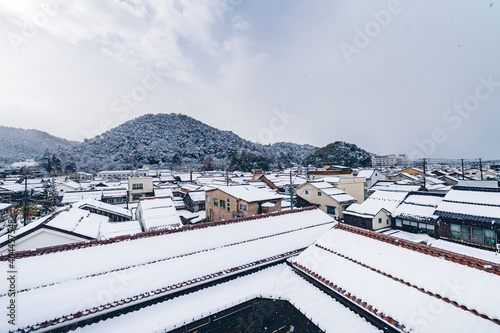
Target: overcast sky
414,77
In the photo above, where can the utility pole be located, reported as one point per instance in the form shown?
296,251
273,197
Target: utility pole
481,168
25,196
463,171
425,178
227,177
291,191
54,193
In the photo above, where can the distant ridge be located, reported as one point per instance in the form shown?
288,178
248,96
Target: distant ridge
18,144
171,141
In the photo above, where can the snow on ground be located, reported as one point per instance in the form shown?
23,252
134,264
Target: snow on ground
278,282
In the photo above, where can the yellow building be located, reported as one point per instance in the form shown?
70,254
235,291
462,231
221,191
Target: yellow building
226,202
140,187
354,186
327,197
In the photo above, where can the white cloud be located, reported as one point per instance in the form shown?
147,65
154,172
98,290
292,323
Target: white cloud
229,63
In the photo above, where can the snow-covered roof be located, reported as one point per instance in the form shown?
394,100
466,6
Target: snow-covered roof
333,192
191,187
158,213
78,223
178,203
329,179
414,169
470,203
163,192
186,177
330,190
167,178
5,205
368,173
114,193
187,214
296,179
276,282
99,205
433,180
479,183
401,283
423,199
160,264
278,182
70,184
72,197
197,196
115,229
446,245
381,199
395,187
249,193
407,175
15,188
27,163
439,188
419,206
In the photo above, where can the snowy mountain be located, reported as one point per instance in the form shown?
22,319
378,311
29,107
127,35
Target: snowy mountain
170,141
20,144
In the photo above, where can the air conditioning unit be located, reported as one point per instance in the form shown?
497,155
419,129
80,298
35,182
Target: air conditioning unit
498,247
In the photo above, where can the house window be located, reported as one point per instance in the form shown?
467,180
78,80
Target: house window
330,210
208,199
319,194
137,186
136,197
473,234
477,235
455,231
222,204
489,237
387,222
216,202
243,207
307,192
466,233
380,220
228,205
